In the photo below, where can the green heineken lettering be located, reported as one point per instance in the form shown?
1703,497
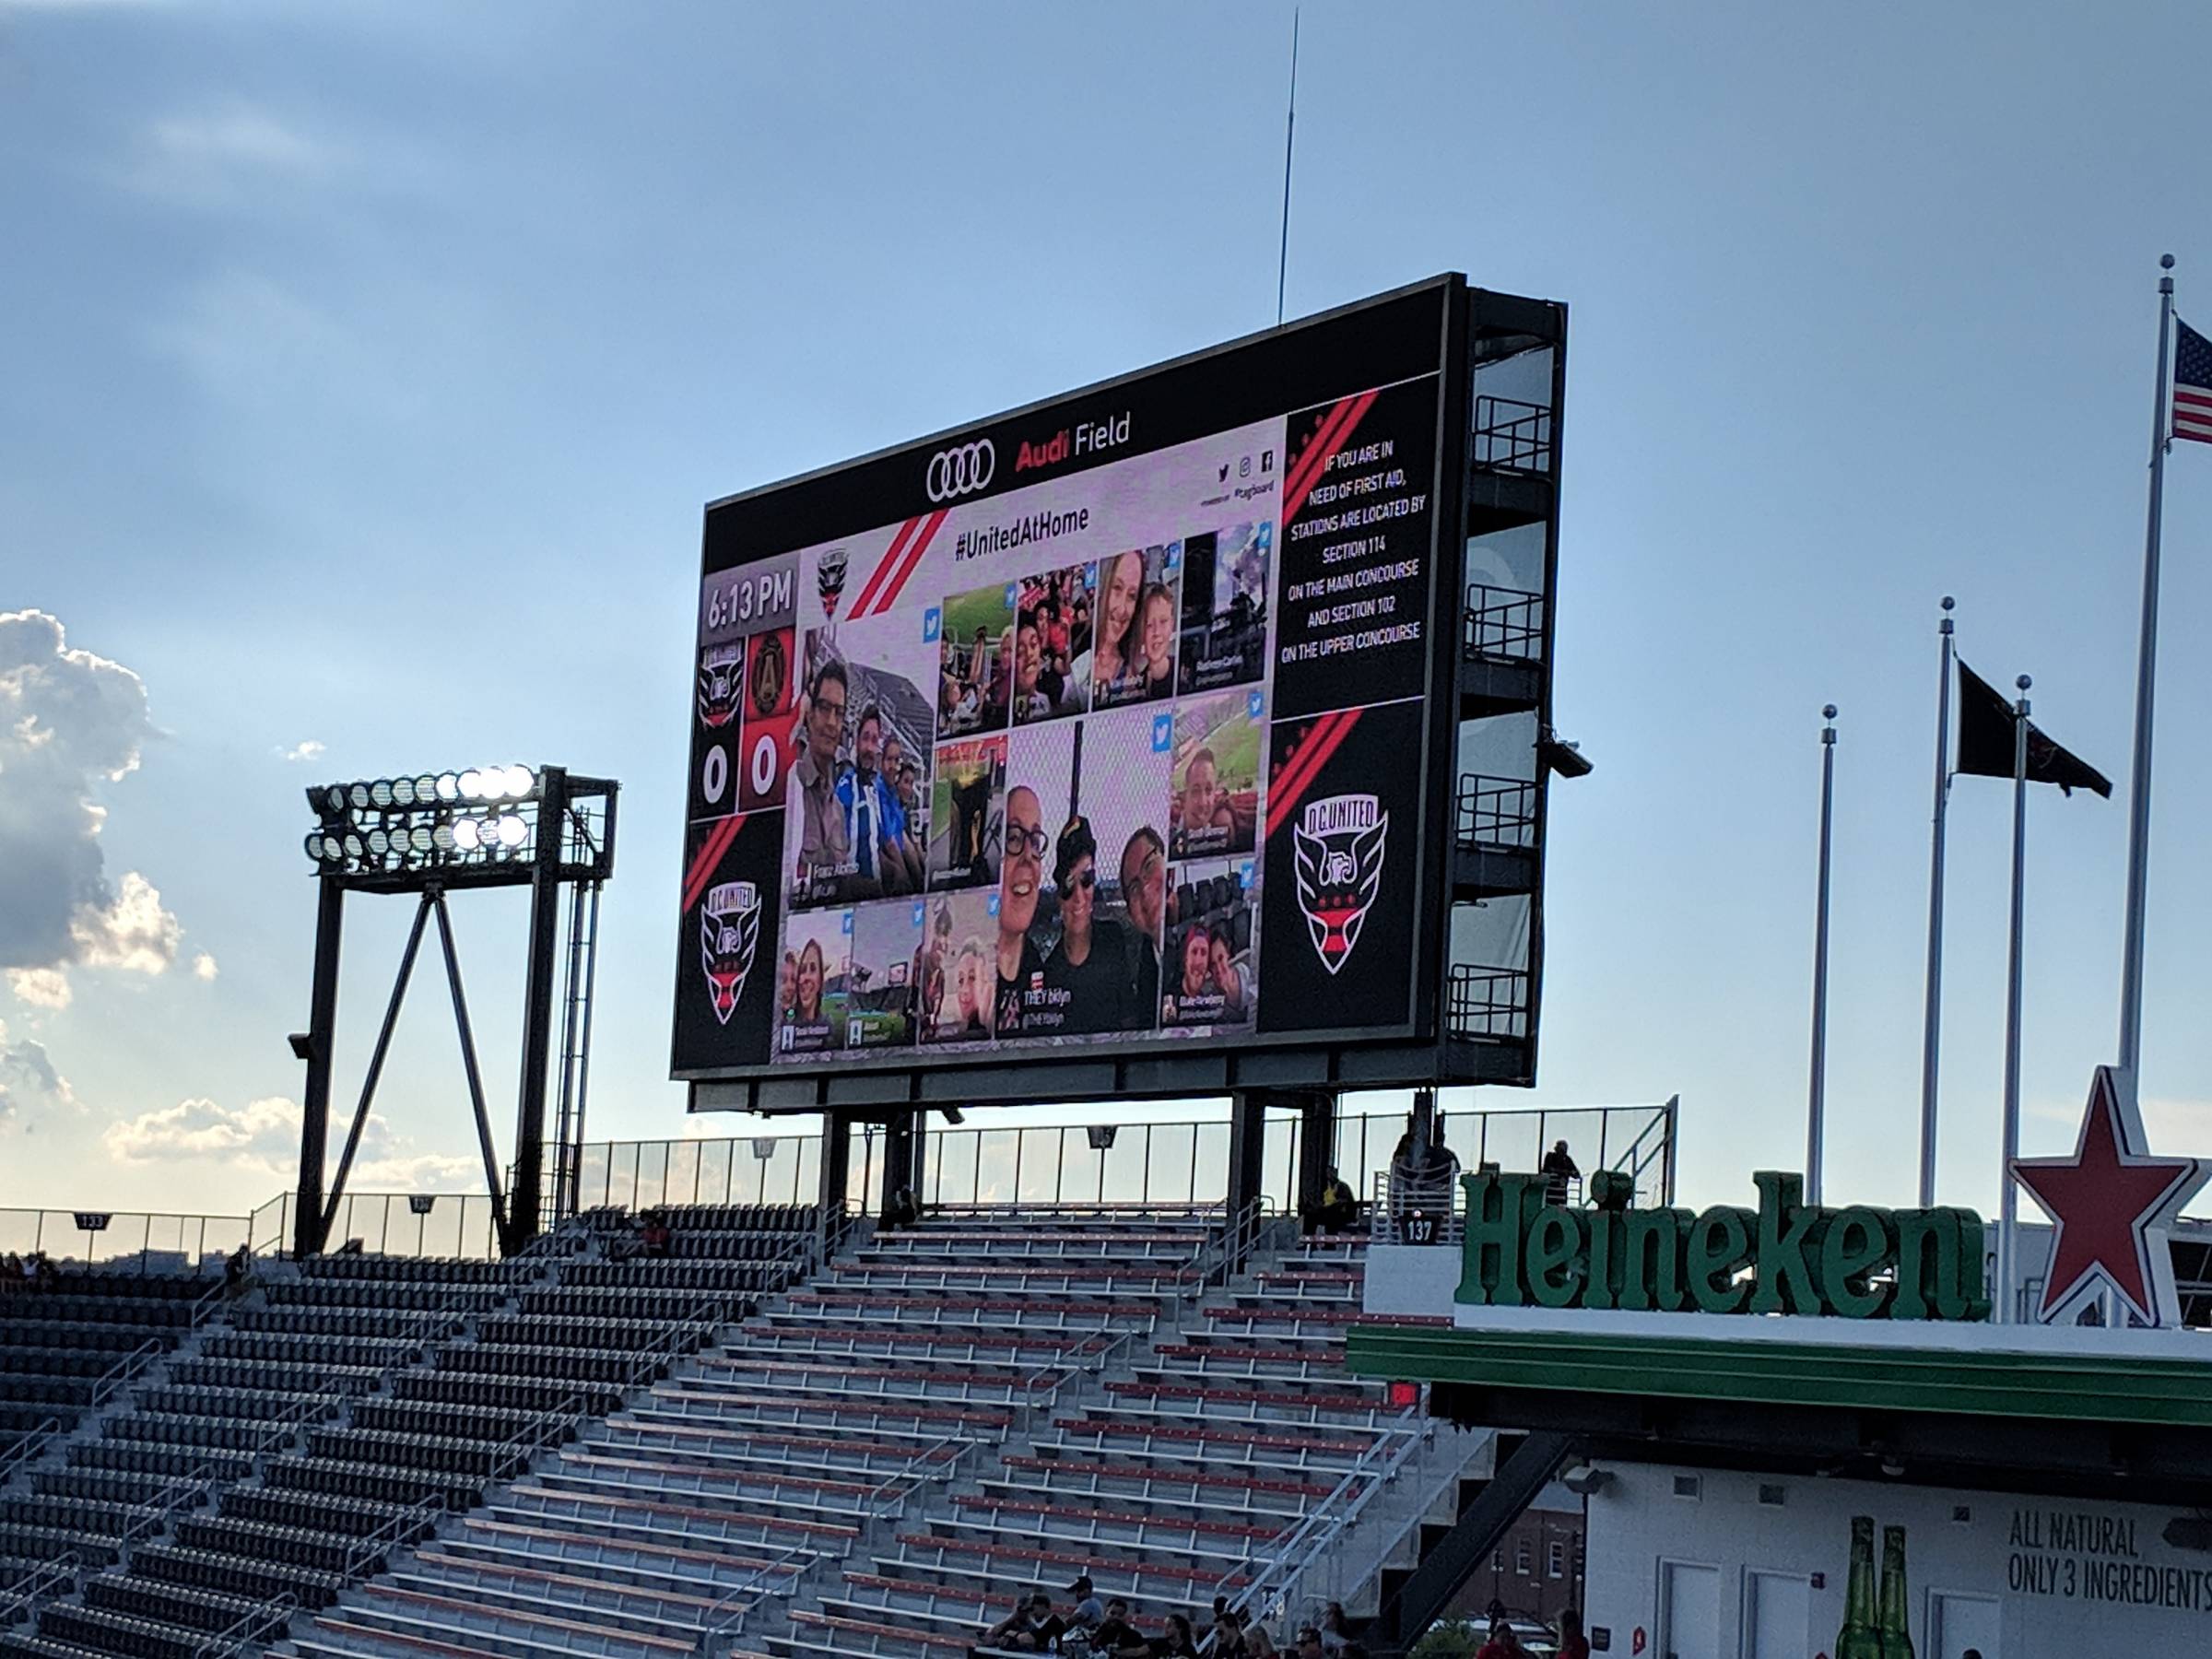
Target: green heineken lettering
1652,1265
1720,1246
1601,1288
1785,1257
1939,1265
1498,1211
1859,1240
1786,1229
1558,1251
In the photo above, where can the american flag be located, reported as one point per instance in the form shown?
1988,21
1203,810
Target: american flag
2193,385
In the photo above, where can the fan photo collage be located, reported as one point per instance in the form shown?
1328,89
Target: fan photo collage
1029,811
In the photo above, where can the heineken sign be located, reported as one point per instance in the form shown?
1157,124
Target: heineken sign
1783,1258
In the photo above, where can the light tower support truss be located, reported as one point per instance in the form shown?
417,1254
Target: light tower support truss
433,836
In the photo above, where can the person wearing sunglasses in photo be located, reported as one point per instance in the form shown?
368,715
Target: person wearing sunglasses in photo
1087,978
1021,874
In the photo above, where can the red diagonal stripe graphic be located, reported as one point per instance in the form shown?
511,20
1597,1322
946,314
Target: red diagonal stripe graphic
891,589
890,558
701,874
1295,496
1300,477
1297,772
1285,793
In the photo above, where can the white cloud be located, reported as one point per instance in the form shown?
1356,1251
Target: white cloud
262,1137
29,1085
69,723
221,158
2178,1128
39,988
133,933
202,966
306,748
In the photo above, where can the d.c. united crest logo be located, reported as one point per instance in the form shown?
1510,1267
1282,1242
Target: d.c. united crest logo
729,929
1339,846
720,670
829,581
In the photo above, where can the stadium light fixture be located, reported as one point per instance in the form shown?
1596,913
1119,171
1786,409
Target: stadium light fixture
478,826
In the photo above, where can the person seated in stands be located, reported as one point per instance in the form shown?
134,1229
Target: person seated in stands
11,1272
656,1236
237,1267
1088,1612
1228,1636
1336,1209
1335,1638
1177,1643
1029,1629
1258,1644
899,1210
1114,1635
1309,1643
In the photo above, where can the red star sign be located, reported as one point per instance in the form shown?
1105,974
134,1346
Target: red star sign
2111,1203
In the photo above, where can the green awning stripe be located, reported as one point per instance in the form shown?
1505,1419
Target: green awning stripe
2114,1389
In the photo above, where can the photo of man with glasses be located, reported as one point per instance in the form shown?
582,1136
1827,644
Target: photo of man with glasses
825,840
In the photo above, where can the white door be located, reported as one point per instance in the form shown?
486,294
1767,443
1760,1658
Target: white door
1957,1623
1777,1615
1690,1611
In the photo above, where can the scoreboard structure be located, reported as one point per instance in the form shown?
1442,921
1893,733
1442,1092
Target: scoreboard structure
1187,734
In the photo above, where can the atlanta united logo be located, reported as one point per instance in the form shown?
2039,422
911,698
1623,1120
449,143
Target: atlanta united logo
1339,846
721,668
729,929
829,581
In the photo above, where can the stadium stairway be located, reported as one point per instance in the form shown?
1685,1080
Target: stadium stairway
876,1461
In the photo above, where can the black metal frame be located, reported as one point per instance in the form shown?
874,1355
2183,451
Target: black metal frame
563,849
1503,652
1511,471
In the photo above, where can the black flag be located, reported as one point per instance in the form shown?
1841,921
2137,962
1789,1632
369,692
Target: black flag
1985,742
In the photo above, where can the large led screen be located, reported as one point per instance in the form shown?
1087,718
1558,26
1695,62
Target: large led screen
1096,727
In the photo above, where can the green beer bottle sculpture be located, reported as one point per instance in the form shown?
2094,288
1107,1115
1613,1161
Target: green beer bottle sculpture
1896,1624
1858,1639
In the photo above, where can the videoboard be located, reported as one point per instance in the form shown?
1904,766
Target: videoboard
1085,738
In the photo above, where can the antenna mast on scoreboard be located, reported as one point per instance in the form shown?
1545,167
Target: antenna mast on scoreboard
1282,268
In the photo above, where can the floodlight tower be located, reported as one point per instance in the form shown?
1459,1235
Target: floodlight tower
432,833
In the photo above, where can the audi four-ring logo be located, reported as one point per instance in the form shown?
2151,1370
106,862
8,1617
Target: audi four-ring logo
959,472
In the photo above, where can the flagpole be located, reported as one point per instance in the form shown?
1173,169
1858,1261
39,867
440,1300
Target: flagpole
2146,659
1817,1102
2008,1197
1932,1017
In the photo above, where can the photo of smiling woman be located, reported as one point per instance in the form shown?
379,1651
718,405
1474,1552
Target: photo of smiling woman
1138,610
822,945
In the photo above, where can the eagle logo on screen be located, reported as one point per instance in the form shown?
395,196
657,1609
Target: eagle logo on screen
720,670
729,929
1339,843
829,581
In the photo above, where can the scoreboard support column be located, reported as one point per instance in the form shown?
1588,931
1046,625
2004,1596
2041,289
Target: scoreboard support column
901,1155
1316,1146
837,1162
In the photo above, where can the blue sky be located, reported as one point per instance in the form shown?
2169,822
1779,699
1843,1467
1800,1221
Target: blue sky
366,369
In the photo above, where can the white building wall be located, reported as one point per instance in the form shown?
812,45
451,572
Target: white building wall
2020,1578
